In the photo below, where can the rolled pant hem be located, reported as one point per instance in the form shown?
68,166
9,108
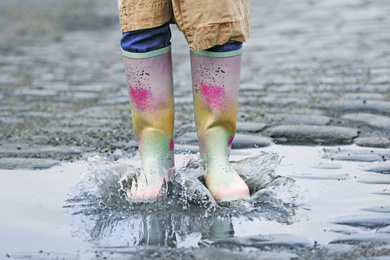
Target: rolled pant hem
218,54
145,55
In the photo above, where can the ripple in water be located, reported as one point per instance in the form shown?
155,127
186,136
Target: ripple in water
188,216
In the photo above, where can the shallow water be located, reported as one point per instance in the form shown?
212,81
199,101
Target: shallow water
188,216
301,195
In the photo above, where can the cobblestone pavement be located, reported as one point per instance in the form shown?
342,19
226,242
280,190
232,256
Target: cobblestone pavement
314,72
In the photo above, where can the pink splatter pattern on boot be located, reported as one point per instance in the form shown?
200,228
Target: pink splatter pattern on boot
171,145
214,96
230,142
141,98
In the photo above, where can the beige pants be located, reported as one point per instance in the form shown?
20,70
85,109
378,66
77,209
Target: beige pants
204,23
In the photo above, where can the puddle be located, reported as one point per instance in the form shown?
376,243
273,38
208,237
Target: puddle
301,196
188,216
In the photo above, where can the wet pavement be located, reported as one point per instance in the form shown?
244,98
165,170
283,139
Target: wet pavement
314,73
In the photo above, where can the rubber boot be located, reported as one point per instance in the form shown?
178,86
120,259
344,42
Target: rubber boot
216,78
150,84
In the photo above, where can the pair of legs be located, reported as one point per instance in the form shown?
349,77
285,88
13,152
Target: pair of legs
215,81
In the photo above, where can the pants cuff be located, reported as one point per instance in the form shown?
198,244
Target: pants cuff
218,54
145,55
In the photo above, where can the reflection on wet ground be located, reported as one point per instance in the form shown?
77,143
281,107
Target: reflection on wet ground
302,197
188,216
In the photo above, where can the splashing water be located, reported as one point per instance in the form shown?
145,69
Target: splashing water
187,216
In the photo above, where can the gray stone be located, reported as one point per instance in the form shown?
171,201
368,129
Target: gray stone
286,89
382,79
384,230
90,122
373,141
222,253
369,105
250,141
42,255
11,120
182,148
375,179
239,141
384,192
341,249
114,101
184,100
328,166
266,240
298,119
363,96
27,163
384,209
248,100
39,114
22,140
355,238
6,79
383,89
246,74
365,220
186,138
35,92
79,95
376,121
282,100
97,87
250,87
280,80
310,176
367,155
313,134
252,127
41,151
129,143
380,167
94,112
190,126
57,86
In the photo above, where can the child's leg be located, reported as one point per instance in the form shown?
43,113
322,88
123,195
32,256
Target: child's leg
146,40
148,68
216,78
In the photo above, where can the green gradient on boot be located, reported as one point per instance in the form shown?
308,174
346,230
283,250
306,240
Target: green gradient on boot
150,87
215,91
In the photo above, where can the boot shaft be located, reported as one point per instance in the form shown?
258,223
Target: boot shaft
150,84
215,89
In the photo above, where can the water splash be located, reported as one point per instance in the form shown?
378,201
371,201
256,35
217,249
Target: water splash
188,216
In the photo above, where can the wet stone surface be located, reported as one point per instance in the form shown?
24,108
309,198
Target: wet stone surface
313,73
27,163
380,142
239,141
62,77
313,134
366,155
380,167
367,220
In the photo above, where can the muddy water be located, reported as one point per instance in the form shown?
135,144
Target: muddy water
301,195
